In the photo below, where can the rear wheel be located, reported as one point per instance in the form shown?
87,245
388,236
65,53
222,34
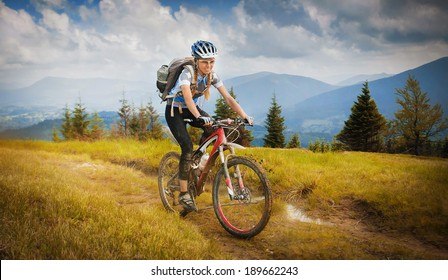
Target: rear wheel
168,181
248,211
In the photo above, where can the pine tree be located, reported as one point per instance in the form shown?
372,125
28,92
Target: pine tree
96,127
444,151
134,124
223,111
142,124
294,142
417,121
155,126
80,121
336,146
275,126
66,126
246,137
55,135
365,128
125,114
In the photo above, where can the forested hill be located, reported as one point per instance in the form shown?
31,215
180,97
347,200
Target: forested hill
328,111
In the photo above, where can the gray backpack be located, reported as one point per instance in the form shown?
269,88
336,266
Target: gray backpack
167,75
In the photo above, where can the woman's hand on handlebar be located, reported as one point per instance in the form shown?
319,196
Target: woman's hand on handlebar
249,120
207,121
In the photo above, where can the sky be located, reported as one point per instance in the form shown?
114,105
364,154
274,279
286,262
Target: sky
328,40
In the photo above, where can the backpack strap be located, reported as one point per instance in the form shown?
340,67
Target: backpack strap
194,80
191,70
193,83
179,106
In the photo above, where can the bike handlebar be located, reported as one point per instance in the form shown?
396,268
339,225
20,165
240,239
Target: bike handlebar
224,122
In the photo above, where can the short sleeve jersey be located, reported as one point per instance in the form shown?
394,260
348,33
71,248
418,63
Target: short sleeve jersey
185,79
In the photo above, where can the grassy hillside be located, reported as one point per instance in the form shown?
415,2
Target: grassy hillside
400,192
55,207
77,200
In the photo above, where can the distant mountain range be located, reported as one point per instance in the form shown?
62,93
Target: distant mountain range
309,106
44,129
359,79
46,98
97,93
328,111
255,92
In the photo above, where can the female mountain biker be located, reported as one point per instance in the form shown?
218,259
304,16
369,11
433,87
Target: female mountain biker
185,106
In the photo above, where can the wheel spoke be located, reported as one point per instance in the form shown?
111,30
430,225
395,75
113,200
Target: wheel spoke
168,182
248,215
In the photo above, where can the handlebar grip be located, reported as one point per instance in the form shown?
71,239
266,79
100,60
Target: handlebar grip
205,120
246,121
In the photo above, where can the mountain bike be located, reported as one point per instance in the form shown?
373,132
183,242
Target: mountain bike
241,192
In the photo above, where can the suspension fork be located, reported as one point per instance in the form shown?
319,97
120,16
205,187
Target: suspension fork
224,160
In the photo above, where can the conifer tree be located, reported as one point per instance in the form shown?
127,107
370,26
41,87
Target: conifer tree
275,126
134,124
55,135
66,126
80,122
96,127
125,114
155,126
246,137
417,121
223,111
143,122
320,146
444,151
294,142
364,130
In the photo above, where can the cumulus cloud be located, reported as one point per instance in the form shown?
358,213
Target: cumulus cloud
119,41
53,20
388,22
282,12
363,25
20,37
130,39
318,38
263,36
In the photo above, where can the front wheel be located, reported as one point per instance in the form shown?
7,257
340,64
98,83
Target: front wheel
245,213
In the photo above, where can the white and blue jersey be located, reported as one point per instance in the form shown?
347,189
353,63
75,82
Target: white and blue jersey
185,79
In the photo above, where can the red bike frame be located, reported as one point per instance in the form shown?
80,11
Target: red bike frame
220,145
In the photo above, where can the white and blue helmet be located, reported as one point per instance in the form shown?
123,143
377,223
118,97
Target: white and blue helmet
203,49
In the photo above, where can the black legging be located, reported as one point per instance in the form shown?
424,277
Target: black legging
178,127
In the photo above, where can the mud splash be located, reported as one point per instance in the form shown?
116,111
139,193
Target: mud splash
297,214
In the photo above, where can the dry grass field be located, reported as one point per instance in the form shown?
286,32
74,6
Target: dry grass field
99,200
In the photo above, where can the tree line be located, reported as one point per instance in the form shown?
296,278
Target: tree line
140,123
415,128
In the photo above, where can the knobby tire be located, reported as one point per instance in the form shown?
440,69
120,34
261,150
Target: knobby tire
168,177
243,218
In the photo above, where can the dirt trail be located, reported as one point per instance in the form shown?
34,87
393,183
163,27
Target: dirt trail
357,219
349,229
275,243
